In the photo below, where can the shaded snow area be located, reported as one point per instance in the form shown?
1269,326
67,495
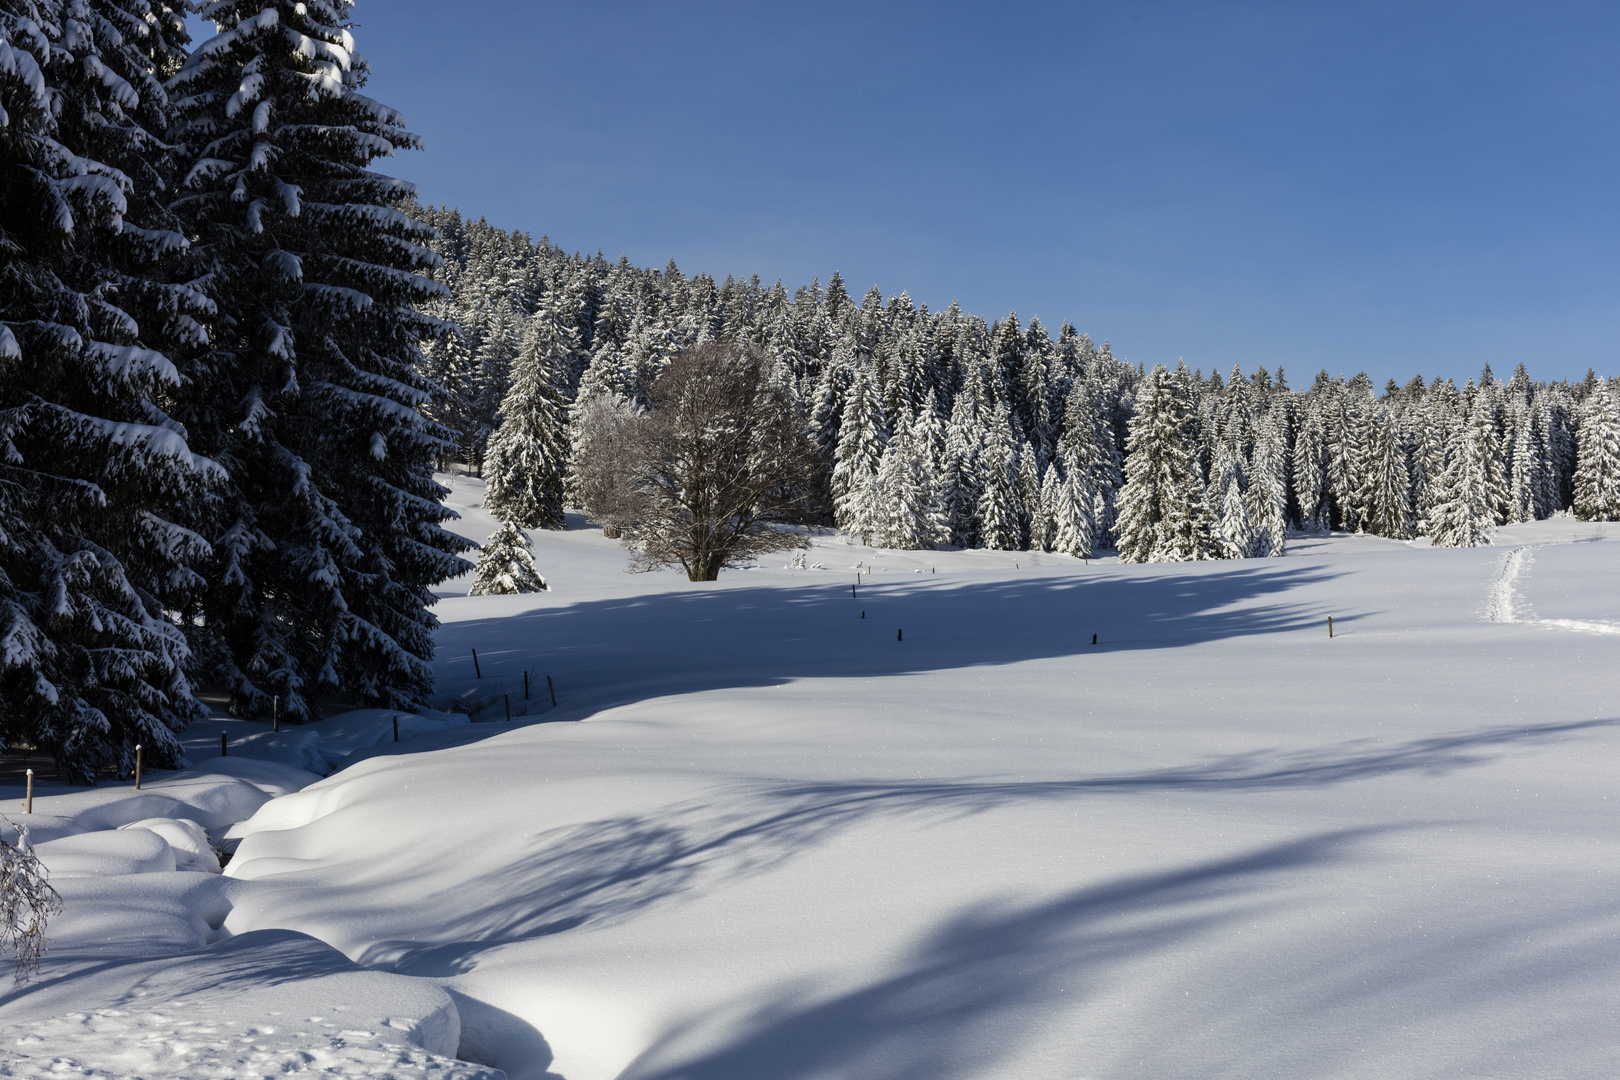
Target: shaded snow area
771,839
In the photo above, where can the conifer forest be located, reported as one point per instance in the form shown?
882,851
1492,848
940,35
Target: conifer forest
233,353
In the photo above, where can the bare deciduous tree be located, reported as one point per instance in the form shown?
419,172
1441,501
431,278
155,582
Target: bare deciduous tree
709,475
27,902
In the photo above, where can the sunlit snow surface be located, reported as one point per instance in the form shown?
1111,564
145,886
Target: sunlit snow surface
787,843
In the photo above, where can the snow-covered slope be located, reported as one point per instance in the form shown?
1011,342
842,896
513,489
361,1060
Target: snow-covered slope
930,829
789,842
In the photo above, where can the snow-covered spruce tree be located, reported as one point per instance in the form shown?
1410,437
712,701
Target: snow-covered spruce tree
92,469
1310,472
862,436
999,513
961,482
1597,469
1267,497
1463,514
906,516
1386,496
1234,536
1075,514
528,455
327,535
506,565
1162,513
1043,518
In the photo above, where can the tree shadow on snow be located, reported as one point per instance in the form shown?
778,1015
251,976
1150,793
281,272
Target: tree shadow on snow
972,990
614,652
608,870
989,980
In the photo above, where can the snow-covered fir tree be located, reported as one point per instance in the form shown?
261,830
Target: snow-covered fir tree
528,455
1234,536
1597,472
506,565
326,534
1463,514
1267,497
96,479
1162,514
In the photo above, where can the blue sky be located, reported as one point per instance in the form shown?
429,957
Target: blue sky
1397,188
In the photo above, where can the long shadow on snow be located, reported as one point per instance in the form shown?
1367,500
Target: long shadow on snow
991,978
970,993
615,652
253,960
609,870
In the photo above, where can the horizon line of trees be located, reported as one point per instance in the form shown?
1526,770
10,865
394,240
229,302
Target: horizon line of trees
942,429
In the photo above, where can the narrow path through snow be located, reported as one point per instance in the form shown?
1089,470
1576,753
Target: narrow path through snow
1505,605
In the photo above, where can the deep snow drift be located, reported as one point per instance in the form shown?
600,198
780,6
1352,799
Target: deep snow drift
788,842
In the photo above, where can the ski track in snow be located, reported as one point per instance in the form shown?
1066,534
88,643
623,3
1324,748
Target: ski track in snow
1504,605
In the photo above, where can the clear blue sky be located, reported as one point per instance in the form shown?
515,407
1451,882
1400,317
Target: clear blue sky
1399,188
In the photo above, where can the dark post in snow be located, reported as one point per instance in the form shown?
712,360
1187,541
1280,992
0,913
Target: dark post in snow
477,671
1330,628
222,747
1094,639
28,805
852,592
899,635
525,686
275,713
507,698
137,766
552,690
396,727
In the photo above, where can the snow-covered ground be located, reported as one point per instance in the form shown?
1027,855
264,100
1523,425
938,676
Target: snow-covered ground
952,838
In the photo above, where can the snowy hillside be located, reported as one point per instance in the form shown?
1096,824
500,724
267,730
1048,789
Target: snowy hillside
788,841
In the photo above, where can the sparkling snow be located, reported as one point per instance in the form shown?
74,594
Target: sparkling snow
787,843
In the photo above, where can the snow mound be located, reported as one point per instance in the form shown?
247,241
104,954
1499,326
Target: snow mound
191,846
107,853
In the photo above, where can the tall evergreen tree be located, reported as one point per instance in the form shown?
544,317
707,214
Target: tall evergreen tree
862,436
528,455
1267,497
1163,516
1233,534
1597,474
999,509
327,534
1463,514
93,470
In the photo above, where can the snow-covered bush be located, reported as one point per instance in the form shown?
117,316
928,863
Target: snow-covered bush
27,902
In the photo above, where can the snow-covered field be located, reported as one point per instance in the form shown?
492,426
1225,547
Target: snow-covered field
788,841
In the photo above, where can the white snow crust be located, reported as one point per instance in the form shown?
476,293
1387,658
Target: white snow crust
771,838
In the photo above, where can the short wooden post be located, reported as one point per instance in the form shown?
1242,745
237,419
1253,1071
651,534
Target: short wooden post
222,747
275,713
396,727
507,698
28,806
553,691
1330,628
137,766
863,614
1094,639
478,672
899,635
525,686
852,592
